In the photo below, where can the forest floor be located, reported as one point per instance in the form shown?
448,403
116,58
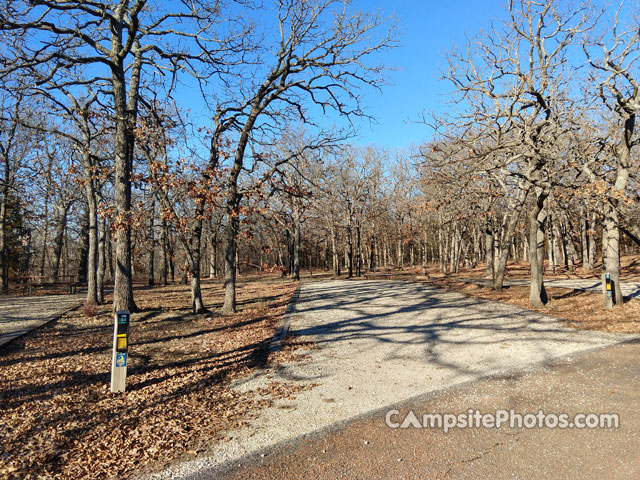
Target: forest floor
629,270
580,308
59,420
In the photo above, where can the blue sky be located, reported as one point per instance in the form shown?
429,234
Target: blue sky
431,28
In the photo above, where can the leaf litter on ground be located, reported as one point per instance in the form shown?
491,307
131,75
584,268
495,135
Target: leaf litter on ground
58,418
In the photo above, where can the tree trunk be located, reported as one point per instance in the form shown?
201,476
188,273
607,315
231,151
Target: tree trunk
611,252
349,252
231,230
412,255
65,256
192,247
557,241
488,249
459,247
123,281
551,242
92,259
452,249
290,248
571,254
213,256
441,260
109,241
584,241
126,110
509,232
358,252
525,246
591,236
385,253
326,253
45,232
372,255
4,256
61,226
151,281
537,221
295,271
26,247
611,234
197,305
102,260
164,271
334,250
83,266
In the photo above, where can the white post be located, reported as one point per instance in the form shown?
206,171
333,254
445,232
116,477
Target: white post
120,350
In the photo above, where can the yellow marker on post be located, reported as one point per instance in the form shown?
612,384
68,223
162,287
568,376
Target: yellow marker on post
607,290
120,350
121,343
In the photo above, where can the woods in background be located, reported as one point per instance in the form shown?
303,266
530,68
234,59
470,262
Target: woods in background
105,176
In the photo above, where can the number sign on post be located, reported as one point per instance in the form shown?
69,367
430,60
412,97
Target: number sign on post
120,351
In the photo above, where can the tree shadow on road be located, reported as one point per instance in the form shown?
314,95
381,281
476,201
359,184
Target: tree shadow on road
445,330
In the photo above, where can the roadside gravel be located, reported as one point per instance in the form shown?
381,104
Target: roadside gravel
384,342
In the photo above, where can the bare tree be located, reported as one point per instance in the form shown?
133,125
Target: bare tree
514,89
615,63
186,191
113,42
15,145
319,57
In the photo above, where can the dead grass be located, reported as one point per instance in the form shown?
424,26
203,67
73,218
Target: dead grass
578,308
58,419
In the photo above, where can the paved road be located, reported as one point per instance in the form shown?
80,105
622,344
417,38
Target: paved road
18,315
606,380
381,343
630,289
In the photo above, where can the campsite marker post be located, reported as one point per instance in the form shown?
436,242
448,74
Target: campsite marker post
120,351
607,290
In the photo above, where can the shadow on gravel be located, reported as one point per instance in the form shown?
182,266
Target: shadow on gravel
463,334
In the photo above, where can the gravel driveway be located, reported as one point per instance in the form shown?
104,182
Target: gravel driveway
18,315
384,342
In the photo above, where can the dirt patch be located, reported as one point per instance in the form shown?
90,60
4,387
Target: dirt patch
58,419
579,308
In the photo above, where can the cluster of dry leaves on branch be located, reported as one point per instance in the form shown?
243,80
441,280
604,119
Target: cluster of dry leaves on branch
59,420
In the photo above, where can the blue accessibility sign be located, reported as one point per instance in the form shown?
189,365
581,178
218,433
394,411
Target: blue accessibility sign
121,359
